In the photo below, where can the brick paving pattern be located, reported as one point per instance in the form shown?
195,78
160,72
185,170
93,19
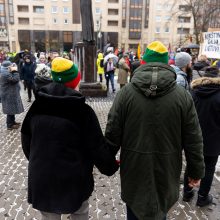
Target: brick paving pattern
105,202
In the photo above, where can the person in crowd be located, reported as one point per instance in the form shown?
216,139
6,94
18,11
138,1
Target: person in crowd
42,76
71,54
52,56
206,96
216,62
201,63
10,93
66,56
183,69
100,66
109,69
62,140
131,57
42,59
123,71
152,120
171,62
27,75
134,65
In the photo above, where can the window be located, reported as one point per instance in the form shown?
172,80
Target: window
182,19
68,36
65,10
157,30
167,18
112,23
184,8
167,7
98,11
111,1
22,8
166,29
183,30
2,8
97,0
135,24
133,2
158,18
2,21
136,12
38,9
65,21
134,35
24,39
112,11
97,24
23,20
159,7
54,9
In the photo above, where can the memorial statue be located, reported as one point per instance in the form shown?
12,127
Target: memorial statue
87,21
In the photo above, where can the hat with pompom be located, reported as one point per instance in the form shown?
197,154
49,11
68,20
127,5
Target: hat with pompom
156,52
65,71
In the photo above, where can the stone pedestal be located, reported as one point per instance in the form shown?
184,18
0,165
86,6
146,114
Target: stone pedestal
93,89
85,58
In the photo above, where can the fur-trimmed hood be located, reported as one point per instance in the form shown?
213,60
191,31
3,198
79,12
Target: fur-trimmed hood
205,81
205,86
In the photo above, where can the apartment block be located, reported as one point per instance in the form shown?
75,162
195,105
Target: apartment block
46,25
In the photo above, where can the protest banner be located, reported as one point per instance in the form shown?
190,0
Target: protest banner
211,45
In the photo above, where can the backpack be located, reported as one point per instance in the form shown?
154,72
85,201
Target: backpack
102,63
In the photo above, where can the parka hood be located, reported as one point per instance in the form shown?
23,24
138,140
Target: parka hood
154,79
206,86
58,92
100,56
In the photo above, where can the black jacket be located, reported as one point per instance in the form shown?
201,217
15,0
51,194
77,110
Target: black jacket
200,65
62,139
206,95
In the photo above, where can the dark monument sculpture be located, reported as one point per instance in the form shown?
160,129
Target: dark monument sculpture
85,53
87,20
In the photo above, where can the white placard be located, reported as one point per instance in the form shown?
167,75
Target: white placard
211,45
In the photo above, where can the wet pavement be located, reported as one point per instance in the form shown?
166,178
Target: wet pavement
105,202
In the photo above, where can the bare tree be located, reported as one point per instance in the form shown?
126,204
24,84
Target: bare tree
203,12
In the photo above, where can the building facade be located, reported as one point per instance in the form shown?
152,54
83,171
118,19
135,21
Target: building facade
54,25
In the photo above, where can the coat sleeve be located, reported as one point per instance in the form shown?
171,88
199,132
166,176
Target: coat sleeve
113,132
180,80
192,141
26,132
103,157
12,77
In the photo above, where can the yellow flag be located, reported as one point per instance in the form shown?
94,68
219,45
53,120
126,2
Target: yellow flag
139,51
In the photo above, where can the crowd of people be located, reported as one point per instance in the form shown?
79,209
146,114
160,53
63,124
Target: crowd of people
163,112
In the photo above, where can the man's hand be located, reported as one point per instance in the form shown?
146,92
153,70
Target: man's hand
193,182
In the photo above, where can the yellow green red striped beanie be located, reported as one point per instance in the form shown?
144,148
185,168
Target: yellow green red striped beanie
65,71
156,52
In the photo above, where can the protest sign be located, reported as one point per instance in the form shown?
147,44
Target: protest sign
211,44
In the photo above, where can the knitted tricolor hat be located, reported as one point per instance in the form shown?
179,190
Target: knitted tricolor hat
64,71
156,52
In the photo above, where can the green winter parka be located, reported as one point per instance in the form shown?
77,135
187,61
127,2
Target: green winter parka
152,120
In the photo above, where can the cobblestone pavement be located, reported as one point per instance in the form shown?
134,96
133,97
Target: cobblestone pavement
105,202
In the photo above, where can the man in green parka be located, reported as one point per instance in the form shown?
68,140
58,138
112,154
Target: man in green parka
153,120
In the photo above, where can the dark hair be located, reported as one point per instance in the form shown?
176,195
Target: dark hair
211,71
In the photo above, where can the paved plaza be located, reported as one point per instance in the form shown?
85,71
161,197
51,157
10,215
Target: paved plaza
105,202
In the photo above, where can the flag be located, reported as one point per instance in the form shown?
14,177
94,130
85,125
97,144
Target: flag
139,51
